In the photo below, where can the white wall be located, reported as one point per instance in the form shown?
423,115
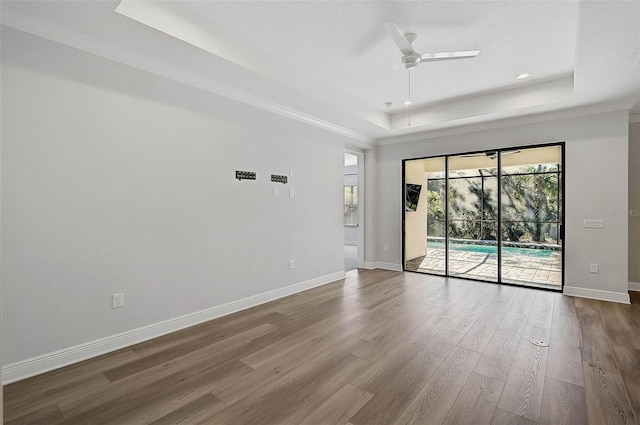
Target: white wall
1,284
634,204
106,192
596,182
416,222
371,208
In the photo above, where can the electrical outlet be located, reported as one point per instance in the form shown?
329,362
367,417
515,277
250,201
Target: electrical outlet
117,300
386,248
593,268
291,264
275,191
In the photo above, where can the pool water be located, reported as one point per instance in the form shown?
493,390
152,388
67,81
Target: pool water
493,249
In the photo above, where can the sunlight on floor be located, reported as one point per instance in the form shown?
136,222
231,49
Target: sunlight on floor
521,269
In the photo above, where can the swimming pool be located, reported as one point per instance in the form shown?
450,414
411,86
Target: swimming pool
493,249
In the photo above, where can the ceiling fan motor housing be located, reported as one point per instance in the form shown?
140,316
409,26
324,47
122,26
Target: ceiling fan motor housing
411,60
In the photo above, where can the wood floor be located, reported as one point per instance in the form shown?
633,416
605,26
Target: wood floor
380,347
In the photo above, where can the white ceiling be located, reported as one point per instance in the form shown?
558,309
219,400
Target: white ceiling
330,63
344,43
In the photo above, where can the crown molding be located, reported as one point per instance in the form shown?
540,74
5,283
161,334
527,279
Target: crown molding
505,122
68,37
58,34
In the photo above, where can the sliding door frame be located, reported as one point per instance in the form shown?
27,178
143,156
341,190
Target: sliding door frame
499,223
561,232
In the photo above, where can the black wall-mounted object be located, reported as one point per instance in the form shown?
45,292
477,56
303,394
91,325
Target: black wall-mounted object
278,178
245,175
412,195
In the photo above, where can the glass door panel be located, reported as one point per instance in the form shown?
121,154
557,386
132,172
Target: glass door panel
494,216
473,216
425,215
531,213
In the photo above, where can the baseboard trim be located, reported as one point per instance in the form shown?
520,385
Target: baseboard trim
389,266
57,359
597,294
369,265
634,286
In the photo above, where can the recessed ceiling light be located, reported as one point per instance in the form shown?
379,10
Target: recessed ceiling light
523,76
407,102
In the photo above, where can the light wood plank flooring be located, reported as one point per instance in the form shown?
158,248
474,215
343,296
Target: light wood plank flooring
379,347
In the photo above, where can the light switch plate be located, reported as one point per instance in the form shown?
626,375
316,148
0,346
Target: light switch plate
117,300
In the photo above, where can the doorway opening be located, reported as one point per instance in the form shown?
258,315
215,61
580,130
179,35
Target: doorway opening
351,211
494,215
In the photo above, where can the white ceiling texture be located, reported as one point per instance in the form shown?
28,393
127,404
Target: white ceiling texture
332,64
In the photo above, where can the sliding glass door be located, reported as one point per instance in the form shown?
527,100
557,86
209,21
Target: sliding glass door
425,214
473,216
494,216
531,214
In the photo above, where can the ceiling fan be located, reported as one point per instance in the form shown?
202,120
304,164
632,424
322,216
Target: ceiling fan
411,58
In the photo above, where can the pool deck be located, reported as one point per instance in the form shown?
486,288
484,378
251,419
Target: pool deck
519,269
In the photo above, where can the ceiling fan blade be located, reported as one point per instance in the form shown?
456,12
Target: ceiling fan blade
509,152
443,56
398,37
490,154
